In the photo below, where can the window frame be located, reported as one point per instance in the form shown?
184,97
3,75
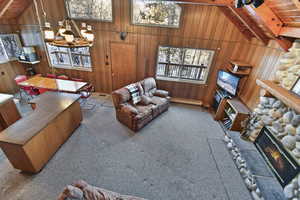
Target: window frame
155,25
91,19
72,66
180,80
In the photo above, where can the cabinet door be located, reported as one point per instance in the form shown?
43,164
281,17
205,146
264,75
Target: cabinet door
7,75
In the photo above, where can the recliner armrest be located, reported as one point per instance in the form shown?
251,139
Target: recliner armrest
129,109
161,93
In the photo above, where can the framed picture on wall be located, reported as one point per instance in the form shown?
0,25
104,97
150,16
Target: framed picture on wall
155,13
100,10
12,45
3,55
296,88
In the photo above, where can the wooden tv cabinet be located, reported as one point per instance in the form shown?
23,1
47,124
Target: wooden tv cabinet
31,142
232,113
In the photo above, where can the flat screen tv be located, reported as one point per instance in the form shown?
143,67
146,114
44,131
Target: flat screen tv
228,82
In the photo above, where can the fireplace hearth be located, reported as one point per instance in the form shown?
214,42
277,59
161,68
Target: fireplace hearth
282,164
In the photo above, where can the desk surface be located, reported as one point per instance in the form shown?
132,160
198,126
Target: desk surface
49,106
54,84
5,97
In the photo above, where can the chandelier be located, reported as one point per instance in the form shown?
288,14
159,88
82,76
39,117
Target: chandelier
66,37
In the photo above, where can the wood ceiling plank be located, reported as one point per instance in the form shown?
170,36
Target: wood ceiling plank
5,6
297,3
268,17
290,32
250,24
210,2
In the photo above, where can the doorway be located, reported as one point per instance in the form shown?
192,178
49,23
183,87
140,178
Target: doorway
123,62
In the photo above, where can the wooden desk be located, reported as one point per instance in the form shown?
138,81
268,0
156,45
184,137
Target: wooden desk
54,84
9,113
31,142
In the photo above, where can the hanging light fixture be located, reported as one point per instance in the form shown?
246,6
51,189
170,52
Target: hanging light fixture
83,29
48,33
61,29
65,37
68,34
89,35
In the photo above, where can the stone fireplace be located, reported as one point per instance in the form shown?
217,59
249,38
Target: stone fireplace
283,165
284,125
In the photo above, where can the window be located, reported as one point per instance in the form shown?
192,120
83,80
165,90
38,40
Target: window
183,64
10,47
155,13
100,10
70,58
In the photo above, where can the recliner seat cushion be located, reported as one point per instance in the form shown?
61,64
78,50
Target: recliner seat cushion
162,103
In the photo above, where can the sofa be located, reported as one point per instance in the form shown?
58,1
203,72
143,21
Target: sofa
136,116
81,190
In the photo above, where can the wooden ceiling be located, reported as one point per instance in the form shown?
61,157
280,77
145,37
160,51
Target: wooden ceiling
275,19
11,9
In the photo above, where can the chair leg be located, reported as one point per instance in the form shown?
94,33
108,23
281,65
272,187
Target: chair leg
85,105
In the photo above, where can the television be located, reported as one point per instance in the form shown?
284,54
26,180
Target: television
228,82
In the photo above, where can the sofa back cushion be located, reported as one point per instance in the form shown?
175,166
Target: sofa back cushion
149,86
120,96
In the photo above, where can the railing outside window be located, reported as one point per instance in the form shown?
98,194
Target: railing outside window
183,64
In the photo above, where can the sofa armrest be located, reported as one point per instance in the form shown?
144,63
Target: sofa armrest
161,93
129,109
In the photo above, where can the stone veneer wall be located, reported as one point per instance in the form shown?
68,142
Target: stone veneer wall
289,67
285,125
284,122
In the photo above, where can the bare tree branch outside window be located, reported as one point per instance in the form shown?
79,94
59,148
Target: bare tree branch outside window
156,13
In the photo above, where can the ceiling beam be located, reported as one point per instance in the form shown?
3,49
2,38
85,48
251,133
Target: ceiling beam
284,43
250,24
4,6
266,15
241,27
209,2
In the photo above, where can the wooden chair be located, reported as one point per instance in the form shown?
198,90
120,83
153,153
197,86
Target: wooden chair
63,77
85,93
27,90
51,76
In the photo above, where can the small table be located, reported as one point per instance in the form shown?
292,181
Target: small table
54,84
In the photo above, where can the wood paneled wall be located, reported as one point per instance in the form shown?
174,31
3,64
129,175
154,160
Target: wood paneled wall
9,70
202,27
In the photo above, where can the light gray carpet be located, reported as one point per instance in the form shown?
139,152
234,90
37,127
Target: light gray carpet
180,155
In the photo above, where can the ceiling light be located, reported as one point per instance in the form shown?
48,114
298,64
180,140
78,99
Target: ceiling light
89,35
61,28
48,33
68,34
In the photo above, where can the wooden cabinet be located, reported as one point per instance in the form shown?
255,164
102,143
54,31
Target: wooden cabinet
9,113
8,72
31,142
233,113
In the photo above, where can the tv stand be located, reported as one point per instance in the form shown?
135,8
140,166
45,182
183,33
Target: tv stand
219,101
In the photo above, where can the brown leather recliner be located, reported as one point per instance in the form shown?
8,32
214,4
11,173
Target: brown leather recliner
135,117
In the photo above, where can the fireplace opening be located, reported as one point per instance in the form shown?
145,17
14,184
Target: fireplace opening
282,164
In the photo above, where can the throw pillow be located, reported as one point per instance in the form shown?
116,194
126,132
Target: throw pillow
134,92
